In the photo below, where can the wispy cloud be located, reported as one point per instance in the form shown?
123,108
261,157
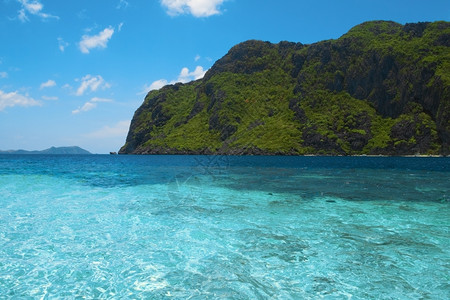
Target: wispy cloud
86,107
49,98
90,105
122,4
47,84
62,45
197,8
3,75
15,99
184,76
91,83
117,130
99,40
32,7
97,99
67,87
82,14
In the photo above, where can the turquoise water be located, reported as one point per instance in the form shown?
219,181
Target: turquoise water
193,227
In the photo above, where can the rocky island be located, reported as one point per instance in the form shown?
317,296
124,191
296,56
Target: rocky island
381,89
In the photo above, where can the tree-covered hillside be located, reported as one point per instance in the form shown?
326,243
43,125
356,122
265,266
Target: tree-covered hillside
382,88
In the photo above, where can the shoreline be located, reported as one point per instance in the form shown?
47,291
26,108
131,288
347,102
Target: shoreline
286,155
231,154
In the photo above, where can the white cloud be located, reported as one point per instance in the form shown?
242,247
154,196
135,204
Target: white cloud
47,84
183,77
33,7
186,76
3,75
198,8
156,85
118,130
90,104
15,99
62,45
92,83
96,41
197,57
50,98
86,107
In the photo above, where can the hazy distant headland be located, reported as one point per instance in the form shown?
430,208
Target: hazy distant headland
53,150
382,88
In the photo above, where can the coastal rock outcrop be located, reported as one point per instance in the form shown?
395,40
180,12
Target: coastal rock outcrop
381,88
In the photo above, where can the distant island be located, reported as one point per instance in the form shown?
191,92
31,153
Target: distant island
383,88
74,150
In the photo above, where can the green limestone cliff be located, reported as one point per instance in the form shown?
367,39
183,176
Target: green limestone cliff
381,88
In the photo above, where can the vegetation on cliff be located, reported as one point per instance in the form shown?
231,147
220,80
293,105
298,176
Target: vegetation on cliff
382,88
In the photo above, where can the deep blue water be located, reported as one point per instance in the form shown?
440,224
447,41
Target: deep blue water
196,227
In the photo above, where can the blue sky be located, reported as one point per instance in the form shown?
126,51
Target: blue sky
73,72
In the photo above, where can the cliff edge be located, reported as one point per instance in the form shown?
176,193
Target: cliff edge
382,88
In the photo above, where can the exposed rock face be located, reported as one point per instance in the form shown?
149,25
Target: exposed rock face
382,88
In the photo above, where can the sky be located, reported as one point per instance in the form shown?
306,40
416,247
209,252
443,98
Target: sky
73,72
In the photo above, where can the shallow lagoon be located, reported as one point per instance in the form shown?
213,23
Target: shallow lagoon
179,227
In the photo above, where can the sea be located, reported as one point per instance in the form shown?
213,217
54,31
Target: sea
224,227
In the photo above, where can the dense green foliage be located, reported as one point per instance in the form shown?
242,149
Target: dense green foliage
382,88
